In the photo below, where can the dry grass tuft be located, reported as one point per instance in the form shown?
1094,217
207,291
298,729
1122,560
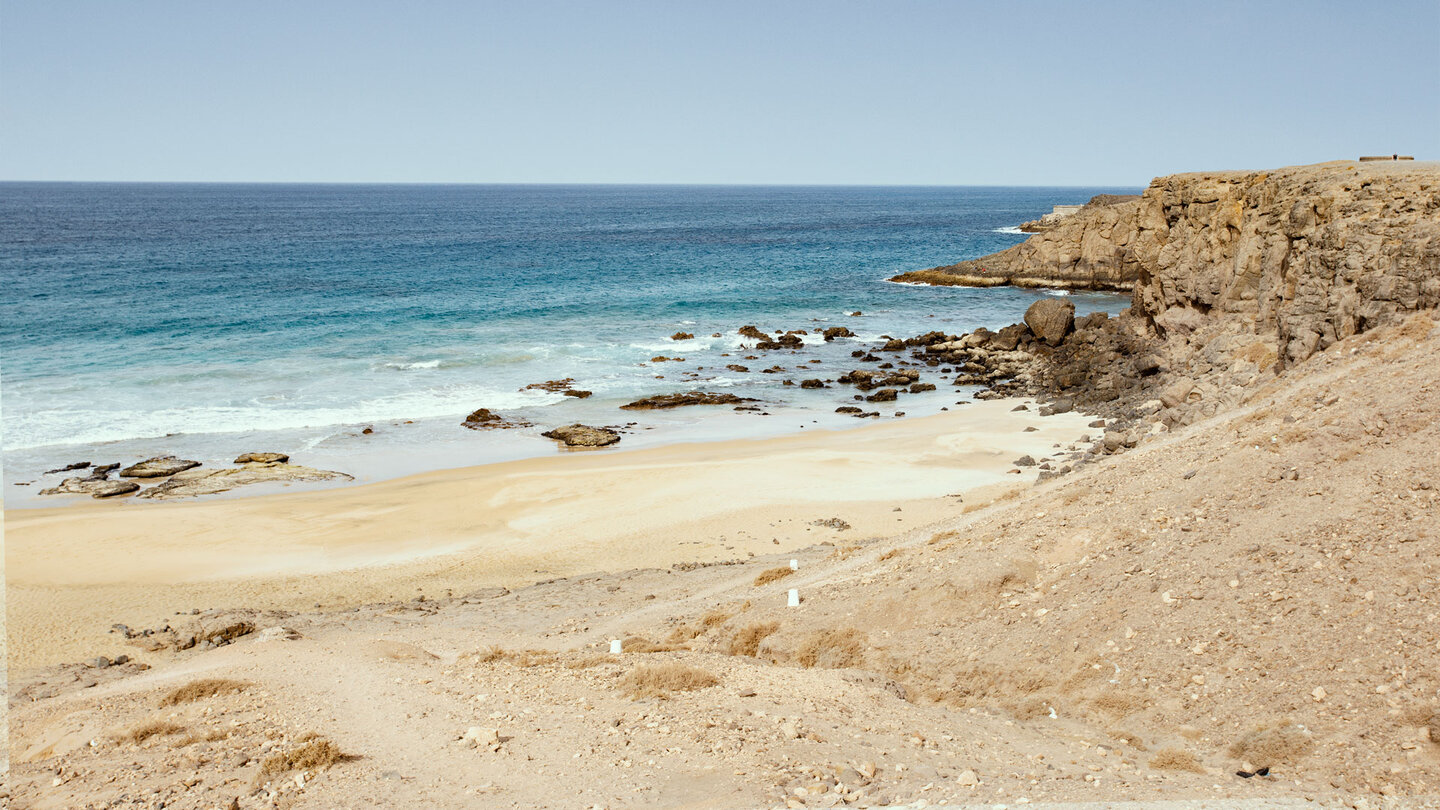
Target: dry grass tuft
154,728
1126,738
832,649
716,617
1118,704
588,661
1260,354
890,555
773,575
746,640
660,680
1268,746
314,754
942,537
1176,759
199,690
519,658
639,644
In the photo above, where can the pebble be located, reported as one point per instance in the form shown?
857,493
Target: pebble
967,778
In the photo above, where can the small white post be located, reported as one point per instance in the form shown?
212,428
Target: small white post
794,598
794,565
615,646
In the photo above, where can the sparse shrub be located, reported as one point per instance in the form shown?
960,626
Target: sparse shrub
199,690
746,640
660,680
832,649
889,555
773,575
1176,759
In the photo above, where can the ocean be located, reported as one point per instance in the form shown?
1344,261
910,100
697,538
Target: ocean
207,320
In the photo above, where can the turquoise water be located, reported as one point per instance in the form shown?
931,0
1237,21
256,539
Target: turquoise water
209,319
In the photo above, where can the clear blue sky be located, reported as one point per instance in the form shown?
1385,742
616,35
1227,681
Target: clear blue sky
949,93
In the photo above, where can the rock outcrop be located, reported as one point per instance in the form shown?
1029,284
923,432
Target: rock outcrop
583,436
1308,254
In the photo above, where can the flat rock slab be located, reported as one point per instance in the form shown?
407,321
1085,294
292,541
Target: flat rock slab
664,401
158,467
190,483
94,487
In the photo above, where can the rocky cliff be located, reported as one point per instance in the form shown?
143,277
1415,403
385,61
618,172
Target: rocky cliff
1306,254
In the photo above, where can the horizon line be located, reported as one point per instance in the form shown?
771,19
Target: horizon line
682,184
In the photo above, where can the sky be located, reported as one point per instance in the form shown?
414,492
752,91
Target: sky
782,92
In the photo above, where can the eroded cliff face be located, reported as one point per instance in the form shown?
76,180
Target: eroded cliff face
1309,254
1305,255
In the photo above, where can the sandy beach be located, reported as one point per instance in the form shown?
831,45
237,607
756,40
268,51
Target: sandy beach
74,571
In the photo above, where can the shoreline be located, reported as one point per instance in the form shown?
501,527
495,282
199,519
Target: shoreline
74,570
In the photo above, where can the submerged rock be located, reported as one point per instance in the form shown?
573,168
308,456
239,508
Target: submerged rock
79,465
158,467
664,401
486,419
583,436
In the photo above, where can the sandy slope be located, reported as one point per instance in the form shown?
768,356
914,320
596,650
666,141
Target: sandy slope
1258,589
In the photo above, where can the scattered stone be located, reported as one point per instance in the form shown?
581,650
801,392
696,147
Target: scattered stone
916,388
277,633
967,778
831,523
583,436
883,395
814,384
837,332
487,739
1025,461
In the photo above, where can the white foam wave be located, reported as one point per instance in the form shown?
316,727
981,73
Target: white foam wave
1012,229
411,366
49,427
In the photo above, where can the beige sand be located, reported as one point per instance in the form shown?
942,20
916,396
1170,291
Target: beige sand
76,570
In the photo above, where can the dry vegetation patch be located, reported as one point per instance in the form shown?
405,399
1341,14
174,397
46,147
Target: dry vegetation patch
746,640
832,649
153,728
773,575
313,754
659,680
1268,746
1176,759
207,688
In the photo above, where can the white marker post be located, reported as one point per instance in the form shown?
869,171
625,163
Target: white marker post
615,646
794,598
794,565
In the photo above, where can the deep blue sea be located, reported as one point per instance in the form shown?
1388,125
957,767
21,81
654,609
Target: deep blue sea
211,319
